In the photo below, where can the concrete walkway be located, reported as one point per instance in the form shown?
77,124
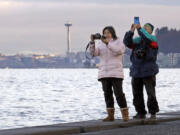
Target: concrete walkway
97,127
166,128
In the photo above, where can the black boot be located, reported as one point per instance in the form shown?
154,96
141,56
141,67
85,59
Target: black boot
153,116
139,116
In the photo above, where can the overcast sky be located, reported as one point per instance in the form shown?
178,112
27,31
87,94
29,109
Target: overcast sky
37,26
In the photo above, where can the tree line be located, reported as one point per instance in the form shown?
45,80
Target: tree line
168,40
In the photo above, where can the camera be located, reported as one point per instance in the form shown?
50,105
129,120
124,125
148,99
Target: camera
98,36
140,53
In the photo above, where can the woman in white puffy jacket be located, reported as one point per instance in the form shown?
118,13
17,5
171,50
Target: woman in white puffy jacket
110,51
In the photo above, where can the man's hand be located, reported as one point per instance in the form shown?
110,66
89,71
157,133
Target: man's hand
133,27
138,26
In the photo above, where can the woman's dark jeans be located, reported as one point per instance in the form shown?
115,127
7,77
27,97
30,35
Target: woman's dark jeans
116,84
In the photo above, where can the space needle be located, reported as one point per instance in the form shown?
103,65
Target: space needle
68,25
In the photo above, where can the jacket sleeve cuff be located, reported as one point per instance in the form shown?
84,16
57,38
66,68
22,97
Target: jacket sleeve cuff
131,33
91,42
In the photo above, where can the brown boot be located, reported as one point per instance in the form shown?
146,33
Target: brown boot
110,112
125,114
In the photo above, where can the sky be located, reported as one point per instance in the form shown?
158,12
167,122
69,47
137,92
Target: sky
37,26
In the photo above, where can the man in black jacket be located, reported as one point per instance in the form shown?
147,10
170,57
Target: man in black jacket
144,68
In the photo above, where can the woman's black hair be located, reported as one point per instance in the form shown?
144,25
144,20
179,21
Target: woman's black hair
111,30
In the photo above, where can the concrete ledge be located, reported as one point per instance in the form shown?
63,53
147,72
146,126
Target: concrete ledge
42,130
86,126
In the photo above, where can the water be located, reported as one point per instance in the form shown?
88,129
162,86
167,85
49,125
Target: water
32,97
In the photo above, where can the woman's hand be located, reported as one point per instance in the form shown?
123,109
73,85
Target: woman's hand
133,27
105,40
91,38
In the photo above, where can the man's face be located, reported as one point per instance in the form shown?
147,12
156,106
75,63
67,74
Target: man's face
148,29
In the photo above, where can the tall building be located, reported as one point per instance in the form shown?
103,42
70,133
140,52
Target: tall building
68,25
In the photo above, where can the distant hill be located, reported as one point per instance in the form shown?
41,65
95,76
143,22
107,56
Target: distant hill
168,40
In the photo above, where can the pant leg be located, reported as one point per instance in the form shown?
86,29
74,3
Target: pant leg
138,97
108,92
150,83
118,91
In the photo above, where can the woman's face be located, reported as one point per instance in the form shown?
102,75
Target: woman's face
107,34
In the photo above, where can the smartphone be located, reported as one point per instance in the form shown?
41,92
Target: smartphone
136,20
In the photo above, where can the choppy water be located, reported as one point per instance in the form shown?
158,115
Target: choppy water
31,97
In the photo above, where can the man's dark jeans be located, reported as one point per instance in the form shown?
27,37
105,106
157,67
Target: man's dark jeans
138,101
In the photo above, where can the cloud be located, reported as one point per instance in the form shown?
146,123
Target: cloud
154,2
39,26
